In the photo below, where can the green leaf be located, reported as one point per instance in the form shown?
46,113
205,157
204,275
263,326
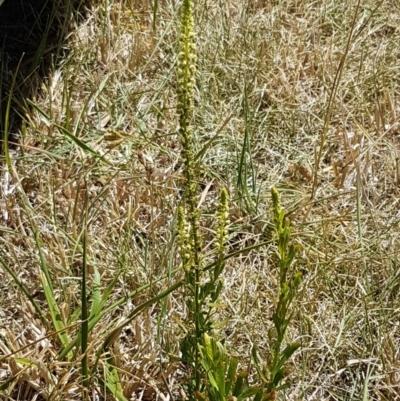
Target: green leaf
278,377
220,370
212,379
230,377
240,384
113,382
283,386
208,347
258,396
287,353
256,361
26,362
7,383
249,392
291,254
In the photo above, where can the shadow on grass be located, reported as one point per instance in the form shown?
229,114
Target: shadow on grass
32,34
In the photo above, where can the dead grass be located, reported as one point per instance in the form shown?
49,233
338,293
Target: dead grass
265,73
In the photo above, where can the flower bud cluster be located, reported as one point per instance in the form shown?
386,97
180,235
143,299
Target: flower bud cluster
186,66
277,209
223,222
185,87
186,70
184,240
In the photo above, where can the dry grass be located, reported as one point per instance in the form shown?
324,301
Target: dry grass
265,74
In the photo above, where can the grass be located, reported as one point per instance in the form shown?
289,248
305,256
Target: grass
96,182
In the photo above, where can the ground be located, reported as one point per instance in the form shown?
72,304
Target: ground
298,95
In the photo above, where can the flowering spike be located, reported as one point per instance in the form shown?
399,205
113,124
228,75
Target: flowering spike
223,221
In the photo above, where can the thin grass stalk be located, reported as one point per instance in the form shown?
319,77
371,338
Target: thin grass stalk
85,323
155,10
332,96
242,170
6,146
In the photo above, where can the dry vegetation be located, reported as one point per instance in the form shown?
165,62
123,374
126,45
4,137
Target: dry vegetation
266,72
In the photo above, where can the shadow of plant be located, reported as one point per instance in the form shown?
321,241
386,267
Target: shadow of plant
32,34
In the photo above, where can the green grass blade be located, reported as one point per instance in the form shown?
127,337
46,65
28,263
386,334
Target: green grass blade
69,135
99,302
54,310
80,143
47,285
113,383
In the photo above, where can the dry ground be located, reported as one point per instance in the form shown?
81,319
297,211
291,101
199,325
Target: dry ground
302,99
